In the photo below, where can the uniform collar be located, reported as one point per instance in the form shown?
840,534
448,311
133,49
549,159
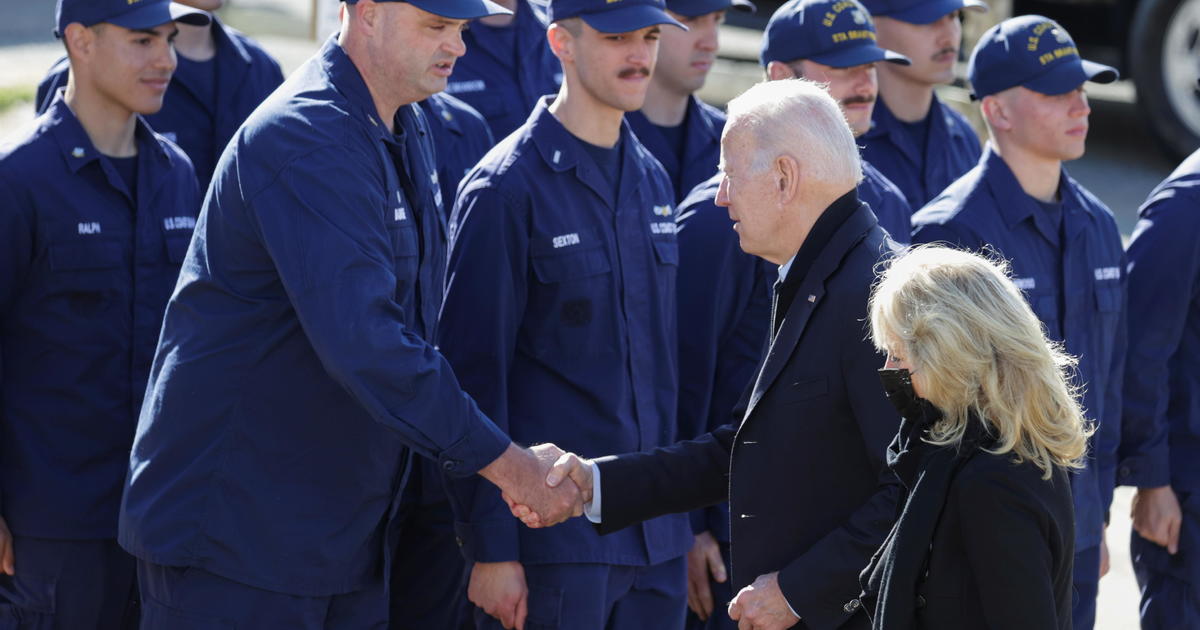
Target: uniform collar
558,147
345,78
446,116
1015,205
560,151
77,148
225,41
885,123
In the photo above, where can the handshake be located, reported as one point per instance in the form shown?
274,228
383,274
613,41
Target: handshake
531,482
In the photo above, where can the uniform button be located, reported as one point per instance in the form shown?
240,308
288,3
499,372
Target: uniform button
450,465
920,601
77,152
1124,472
852,605
458,541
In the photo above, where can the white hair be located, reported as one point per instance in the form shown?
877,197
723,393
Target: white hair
797,117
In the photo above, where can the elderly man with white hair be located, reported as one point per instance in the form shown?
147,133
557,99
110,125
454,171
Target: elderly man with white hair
804,469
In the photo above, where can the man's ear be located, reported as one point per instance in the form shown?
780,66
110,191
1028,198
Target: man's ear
365,12
996,112
559,37
786,178
80,41
777,70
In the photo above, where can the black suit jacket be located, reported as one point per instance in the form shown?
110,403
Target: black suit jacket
804,472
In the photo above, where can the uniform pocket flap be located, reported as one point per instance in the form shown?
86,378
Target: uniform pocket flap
570,264
404,240
177,247
1108,299
667,251
96,255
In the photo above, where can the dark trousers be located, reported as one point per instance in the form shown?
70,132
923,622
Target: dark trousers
428,578
1087,586
722,594
602,597
1170,585
187,598
69,584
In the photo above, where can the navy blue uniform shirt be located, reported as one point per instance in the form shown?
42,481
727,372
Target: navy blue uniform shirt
724,297
505,71
701,145
887,202
293,369
1082,306
951,149
460,138
245,75
560,321
1162,374
85,273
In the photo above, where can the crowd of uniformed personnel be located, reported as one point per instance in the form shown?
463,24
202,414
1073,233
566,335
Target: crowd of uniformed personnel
262,341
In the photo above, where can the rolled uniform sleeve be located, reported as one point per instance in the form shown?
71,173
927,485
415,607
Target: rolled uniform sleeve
485,301
326,234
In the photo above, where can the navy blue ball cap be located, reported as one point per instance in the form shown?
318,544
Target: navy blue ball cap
695,8
837,33
921,11
454,9
613,16
1034,52
133,14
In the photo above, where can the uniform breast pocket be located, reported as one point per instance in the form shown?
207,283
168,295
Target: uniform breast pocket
1043,300
177,246
405,258
570,304
1109,301
88,275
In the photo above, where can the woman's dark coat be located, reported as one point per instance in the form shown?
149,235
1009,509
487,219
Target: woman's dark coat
982,542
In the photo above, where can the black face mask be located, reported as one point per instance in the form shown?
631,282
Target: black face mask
897,384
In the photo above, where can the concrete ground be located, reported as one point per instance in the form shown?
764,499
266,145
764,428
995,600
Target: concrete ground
1121,167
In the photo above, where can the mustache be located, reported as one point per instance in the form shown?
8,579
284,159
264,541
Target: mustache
632,72
949,49
856,100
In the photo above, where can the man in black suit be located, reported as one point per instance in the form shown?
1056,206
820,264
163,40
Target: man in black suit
804,471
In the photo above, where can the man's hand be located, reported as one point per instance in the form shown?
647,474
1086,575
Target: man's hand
1157,517
521,476
567,466
761,606
499,589
7,561
703,559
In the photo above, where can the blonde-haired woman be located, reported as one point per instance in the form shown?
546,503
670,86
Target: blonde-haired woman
990,429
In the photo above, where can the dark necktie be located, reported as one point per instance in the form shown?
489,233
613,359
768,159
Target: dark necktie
776,316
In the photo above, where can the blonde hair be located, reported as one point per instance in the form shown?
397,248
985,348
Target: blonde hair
975,346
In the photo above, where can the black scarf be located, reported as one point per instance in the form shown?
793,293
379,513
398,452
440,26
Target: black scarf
890,580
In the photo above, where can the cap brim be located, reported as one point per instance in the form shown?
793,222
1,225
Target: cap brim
460,9
160,13
929,12
696,8
1069,76
631,18
859,55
